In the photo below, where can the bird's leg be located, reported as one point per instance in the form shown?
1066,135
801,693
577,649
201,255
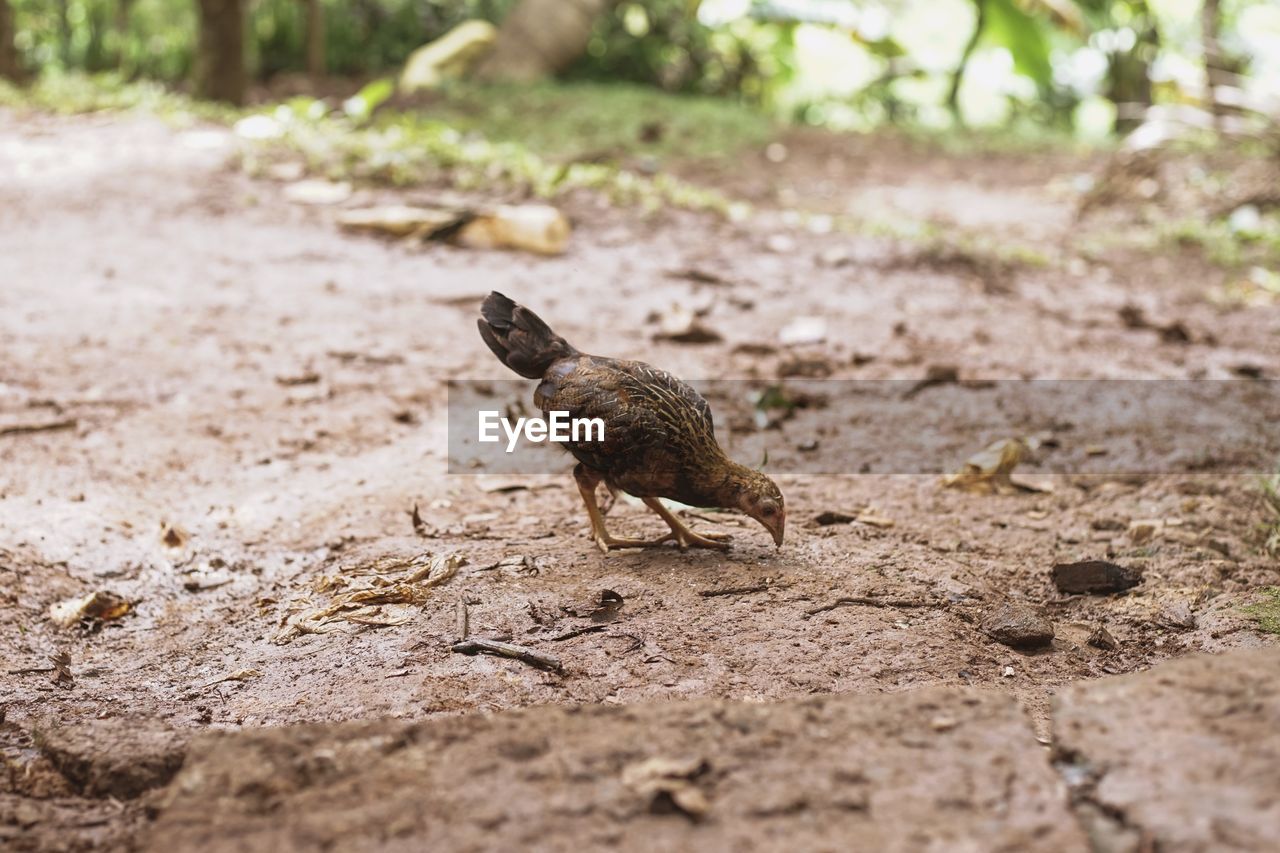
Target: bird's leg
587,483
683,535
610,500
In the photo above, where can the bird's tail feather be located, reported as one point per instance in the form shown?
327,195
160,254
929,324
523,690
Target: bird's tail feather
519,337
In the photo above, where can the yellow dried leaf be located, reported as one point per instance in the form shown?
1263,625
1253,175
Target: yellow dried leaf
99,605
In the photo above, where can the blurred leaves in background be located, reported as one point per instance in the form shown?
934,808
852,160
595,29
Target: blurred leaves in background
1090,65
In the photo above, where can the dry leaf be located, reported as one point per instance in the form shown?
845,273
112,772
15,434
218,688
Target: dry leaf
537,228
399,220
238,675
101,605
61,667
991,471
656,778
360,595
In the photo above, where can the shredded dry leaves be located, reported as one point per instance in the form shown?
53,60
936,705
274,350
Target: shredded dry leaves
380,594
990,472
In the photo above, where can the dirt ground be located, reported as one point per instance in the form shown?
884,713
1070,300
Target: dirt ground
218,406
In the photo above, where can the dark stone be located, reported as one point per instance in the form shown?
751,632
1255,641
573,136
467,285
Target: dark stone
1017,626
1094,576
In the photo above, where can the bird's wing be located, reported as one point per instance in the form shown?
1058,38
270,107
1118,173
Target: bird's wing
645,411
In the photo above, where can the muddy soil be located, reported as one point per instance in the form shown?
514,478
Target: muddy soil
222,408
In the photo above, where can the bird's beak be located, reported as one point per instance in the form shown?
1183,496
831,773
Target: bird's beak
778,530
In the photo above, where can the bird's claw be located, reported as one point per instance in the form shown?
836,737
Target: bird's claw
608,543
691,539
683,539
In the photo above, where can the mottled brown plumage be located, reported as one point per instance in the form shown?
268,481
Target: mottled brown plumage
659,436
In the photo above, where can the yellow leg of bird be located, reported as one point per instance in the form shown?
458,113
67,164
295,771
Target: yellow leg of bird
605,542
685,537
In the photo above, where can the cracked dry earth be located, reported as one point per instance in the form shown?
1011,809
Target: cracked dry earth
222,409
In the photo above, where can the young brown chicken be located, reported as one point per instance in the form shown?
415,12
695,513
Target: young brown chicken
659,441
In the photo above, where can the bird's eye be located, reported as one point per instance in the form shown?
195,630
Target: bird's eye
770,510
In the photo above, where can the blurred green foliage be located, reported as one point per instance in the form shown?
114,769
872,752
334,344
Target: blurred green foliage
602,122
662,43
850,63
468,140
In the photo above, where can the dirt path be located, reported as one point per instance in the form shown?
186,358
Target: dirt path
231,365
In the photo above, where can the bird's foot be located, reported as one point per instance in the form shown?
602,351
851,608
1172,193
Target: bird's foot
686,538
607,543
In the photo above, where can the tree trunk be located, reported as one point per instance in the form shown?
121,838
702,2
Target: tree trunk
316,61
539,38
220,71
64,33
1214,67
957,76
122,31
8,52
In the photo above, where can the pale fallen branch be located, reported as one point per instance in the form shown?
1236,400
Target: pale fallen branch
479,646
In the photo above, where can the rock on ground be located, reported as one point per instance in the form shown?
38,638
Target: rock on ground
1185,757
1017,625
1094,576
938,769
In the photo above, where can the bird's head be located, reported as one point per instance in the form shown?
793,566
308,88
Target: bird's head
760,498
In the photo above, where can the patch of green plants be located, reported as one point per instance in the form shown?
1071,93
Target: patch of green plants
70,94
407,148
357,141
1267,611
1227,243
603,121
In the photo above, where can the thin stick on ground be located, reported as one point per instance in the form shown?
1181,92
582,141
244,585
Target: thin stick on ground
865,601
578,632
509,650
28,429
736,590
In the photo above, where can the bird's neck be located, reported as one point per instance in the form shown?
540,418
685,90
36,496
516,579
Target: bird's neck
724,483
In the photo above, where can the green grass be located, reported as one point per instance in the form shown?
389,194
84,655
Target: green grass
1267,611
479,146
570,121
1226,246
407,149
71,94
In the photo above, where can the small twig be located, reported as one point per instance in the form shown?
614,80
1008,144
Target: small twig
464,621
871,602
31,670
195,586
578,632
636,642
51,426
509,650
736,590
